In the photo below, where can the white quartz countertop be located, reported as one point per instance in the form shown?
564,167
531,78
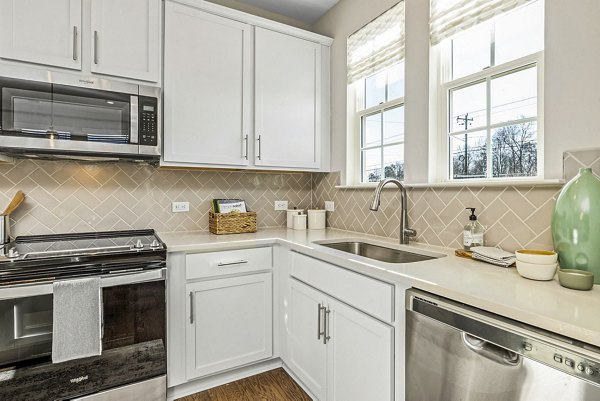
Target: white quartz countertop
503,291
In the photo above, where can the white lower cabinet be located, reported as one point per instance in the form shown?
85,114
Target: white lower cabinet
307,354
338,352
230,323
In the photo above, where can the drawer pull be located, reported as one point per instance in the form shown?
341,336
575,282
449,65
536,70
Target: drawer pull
239,262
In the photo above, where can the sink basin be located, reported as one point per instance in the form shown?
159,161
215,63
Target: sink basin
381,253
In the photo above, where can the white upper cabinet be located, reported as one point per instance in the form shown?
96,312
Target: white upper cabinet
125,38
287,100
207,87
243,92
108,37
41,32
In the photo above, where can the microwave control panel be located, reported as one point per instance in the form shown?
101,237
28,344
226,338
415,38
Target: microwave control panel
148,121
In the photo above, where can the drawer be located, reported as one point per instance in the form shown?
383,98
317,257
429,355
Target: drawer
367,294
211,264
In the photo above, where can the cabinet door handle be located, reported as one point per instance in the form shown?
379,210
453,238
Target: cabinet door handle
326,336
246,146
191,307
225,264
259,148
319,319
75,33
95,47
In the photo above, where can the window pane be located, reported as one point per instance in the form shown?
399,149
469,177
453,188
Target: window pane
371,130
469,155
514,150
375,89
393,161
468,107
393,125
514,96
396,82
471,50
519,33
371,162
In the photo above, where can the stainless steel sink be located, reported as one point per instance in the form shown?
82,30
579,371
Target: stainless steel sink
377,252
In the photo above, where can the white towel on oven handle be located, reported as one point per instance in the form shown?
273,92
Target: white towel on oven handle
77,319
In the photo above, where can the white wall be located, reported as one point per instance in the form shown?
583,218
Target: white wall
572,79
343,19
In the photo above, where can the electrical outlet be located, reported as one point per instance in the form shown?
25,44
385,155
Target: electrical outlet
329,206
281,205
180,207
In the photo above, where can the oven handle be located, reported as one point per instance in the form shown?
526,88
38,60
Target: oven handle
108,280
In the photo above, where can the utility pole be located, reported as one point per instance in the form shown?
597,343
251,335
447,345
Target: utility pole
466,121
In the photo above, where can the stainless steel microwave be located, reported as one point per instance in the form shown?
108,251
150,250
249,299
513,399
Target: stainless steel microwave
75,117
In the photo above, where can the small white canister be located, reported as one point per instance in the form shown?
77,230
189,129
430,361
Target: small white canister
316,219
290,216
300,222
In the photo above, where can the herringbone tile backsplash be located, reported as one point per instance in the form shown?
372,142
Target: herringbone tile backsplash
75,197
515,217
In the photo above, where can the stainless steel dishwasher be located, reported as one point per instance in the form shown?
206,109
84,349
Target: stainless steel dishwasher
457,352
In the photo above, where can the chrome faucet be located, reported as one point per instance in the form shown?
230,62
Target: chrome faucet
405,232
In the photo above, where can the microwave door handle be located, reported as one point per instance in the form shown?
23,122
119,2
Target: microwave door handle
134,119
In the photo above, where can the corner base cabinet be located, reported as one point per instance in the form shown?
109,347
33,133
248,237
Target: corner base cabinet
339,353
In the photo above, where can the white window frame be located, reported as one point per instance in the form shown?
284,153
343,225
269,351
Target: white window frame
357,92
446,86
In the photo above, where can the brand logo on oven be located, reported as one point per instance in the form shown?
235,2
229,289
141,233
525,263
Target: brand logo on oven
87,81
79,379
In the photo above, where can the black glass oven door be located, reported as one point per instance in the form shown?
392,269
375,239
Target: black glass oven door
133,345
39,110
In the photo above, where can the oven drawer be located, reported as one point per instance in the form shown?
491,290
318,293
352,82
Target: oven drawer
212,264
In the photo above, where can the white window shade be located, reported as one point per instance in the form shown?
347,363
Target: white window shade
448,17
377,45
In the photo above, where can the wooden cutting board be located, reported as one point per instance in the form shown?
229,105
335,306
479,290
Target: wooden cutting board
463,254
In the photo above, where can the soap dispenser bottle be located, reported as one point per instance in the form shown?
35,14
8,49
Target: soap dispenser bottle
473,232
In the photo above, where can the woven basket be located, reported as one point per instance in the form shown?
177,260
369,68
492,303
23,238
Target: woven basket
232,223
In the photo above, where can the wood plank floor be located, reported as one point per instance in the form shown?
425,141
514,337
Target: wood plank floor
274,385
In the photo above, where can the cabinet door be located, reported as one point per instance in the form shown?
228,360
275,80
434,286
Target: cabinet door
306,351
125,38
230,323
360,356
206,88
287,101
41,31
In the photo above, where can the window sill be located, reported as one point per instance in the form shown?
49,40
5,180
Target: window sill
465,183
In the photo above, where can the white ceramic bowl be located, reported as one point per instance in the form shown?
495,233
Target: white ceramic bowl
536,271
536,256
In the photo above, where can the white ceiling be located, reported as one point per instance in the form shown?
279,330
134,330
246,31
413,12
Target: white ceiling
308,11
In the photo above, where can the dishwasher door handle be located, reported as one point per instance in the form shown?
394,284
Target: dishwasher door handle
491,351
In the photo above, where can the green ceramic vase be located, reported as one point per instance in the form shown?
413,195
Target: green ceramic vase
576,224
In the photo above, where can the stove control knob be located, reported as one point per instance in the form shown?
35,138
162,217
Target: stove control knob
155,244
589,371
138,244
13,253
580,367
569,363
